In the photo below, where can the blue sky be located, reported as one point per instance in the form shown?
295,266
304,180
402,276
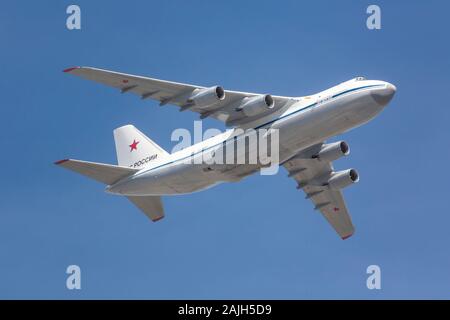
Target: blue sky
255,239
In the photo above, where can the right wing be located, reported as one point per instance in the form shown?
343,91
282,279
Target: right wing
168,92
305,170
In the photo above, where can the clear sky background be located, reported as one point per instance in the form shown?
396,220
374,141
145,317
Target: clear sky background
255,239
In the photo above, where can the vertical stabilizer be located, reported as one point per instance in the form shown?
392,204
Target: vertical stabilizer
134,149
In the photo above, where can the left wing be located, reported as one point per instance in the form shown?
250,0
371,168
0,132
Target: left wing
313,175
214,102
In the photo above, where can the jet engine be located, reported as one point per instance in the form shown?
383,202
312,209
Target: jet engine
332,151
255,105
342,179
208,96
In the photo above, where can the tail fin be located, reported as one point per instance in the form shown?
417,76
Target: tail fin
134,149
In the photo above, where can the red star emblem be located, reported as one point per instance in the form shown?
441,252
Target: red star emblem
125,81
133,146
335,209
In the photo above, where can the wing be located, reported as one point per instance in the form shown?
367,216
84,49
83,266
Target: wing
180,94
309,172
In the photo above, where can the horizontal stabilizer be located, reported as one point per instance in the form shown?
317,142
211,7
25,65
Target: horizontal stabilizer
102,172
151,205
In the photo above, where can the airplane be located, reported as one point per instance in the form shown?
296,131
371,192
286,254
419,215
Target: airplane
146,172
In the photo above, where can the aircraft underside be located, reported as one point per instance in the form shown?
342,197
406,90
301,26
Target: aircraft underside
298,126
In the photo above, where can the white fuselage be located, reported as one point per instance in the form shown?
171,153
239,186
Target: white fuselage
310,120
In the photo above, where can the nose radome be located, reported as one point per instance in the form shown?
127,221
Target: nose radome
392,87
383,96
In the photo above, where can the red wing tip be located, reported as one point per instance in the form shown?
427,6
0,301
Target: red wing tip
157,219
346,237
70,69
61,161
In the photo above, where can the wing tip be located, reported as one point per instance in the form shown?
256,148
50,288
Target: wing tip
71,69
157,219
347,236
61,161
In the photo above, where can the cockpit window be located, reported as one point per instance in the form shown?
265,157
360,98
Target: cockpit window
360,78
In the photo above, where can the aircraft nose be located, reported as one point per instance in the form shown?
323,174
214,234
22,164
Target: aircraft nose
383,96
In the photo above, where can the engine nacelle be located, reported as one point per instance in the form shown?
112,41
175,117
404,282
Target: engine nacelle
341,179
208,96
255,105
333,151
